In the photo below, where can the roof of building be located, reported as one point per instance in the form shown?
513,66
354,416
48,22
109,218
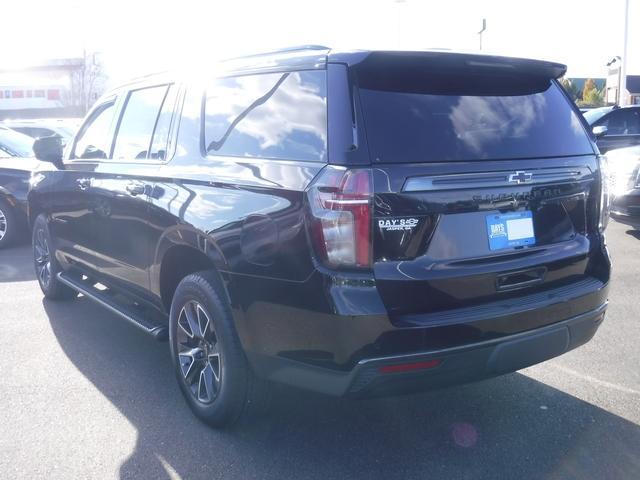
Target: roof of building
53,64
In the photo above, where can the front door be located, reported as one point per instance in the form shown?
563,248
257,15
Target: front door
74,220
121,187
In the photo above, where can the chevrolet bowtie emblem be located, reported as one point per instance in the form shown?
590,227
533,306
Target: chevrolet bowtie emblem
520,177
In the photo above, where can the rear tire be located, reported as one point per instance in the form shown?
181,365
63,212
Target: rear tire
210,365
9,228
46,265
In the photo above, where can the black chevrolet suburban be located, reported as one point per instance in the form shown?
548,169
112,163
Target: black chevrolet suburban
354,223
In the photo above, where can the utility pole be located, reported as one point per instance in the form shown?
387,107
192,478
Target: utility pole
622,93
484,27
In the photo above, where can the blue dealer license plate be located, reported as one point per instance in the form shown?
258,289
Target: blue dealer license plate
510,230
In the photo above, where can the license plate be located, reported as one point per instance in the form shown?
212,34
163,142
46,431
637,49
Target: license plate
510,230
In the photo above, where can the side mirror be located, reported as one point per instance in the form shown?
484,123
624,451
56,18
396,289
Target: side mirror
49,149
600,131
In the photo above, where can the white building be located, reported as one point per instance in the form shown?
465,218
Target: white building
39,90
612,90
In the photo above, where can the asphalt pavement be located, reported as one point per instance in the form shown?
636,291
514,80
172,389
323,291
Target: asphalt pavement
83,395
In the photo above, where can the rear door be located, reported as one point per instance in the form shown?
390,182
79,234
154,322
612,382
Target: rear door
484,187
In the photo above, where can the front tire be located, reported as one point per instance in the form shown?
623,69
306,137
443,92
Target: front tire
46,265
210,365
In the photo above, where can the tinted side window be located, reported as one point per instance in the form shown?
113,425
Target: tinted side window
622,122
276,115
138,122
94,140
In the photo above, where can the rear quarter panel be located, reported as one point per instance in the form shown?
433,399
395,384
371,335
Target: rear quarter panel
246,214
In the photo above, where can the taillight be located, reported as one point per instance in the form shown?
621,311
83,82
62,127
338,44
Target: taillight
340,217
605,195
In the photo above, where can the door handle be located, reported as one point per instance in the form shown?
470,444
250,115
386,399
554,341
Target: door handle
83,183
136,188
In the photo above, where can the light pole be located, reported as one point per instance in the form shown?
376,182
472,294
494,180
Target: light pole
622,94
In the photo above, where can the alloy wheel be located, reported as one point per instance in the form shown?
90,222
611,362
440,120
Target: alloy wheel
199,356
3,225
42,258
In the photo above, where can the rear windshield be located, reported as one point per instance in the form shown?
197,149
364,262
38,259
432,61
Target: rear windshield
463,118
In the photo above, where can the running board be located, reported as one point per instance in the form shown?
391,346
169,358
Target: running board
159,332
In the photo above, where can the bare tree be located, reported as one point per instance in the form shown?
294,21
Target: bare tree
87,81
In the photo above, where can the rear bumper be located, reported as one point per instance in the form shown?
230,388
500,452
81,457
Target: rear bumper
446,366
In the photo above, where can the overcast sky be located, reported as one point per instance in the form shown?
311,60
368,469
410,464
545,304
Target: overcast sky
138,37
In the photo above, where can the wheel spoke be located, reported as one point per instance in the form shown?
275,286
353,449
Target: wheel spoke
216,366
41,274
45,274
188,321
189,360
205,384
203,321
40,255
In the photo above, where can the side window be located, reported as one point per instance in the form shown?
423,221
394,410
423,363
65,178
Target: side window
622,122
94,140
275,115
138,122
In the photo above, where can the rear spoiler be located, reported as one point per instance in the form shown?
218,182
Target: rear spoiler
452,61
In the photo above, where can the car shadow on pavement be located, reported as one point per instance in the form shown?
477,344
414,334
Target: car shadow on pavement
12,264
634,233
507,427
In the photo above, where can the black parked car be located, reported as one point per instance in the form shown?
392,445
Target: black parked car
357,223
17,162
619,126
624,166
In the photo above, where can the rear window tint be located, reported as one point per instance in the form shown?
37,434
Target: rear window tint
276,115
464,119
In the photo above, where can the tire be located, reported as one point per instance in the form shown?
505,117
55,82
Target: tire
9,228
46,265
210,365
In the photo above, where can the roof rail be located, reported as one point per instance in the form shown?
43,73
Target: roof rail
148,75
298,48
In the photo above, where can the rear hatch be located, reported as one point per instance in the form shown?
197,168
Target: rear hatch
485,182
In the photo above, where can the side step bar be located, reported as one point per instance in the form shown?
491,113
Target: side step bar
159,332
